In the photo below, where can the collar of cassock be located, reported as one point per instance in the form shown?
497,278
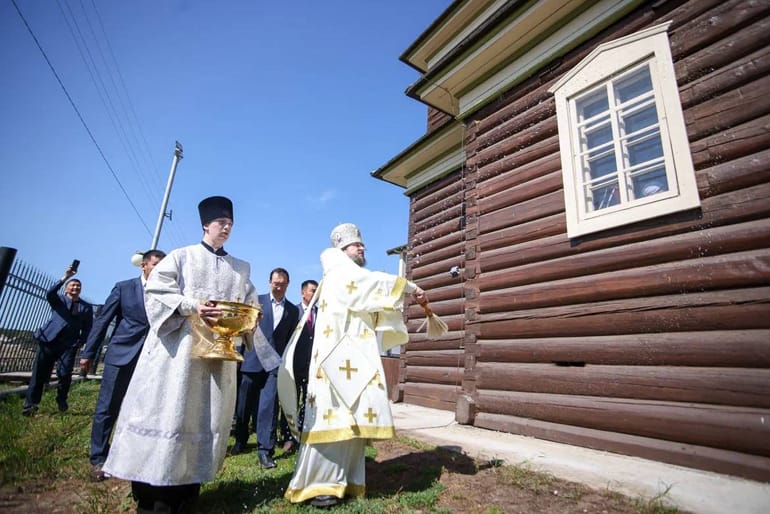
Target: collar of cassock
221,252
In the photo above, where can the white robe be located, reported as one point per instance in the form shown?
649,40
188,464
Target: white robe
174,423
359,316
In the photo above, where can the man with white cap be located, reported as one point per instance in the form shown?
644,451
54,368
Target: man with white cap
359,316
173,428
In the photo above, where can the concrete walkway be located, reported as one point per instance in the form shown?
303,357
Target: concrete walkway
691,490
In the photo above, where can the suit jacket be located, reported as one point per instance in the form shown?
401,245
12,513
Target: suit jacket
277,338
304,349
71,328
125,305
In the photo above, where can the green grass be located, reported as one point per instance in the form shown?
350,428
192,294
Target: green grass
53,448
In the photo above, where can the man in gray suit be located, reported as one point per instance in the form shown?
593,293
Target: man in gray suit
125,305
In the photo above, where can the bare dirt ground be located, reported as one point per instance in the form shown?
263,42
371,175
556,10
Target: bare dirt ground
470,487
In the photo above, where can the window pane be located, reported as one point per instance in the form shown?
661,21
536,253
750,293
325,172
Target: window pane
650,183
641,119
601,166
598,136
594,104
603,196
645,150
636,84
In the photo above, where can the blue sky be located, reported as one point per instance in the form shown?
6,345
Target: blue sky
285,107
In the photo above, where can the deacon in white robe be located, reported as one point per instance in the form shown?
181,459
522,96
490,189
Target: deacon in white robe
359,316
174,423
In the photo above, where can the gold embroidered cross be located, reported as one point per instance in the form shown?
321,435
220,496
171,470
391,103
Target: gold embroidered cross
370,414
328,330
329,416
351,287
311,400
323,305
347,369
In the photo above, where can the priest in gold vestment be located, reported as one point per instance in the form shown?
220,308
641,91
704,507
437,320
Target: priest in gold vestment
359,316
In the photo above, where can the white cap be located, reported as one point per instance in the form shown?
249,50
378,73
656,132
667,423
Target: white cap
345,234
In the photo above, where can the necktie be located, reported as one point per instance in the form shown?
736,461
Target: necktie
310,320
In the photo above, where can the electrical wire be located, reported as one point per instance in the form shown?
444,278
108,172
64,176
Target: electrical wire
80,116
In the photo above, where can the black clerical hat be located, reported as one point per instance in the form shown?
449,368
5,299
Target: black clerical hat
215,207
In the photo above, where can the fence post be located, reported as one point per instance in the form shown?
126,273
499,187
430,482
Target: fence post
7,255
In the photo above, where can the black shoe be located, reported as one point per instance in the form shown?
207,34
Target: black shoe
266,461
63,406
324,500
29,410
237,449
97,474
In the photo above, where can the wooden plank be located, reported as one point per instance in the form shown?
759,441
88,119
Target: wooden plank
721,310
503,182
421,342
722,348
731,271
516,196
441,267
742,173
421,259
730,428
526,154
722,386
711,459
540,207
732,143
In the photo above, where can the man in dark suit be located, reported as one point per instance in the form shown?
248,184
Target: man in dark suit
59,339
258,391
125,305
302,354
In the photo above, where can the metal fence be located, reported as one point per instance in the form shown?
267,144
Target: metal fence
23,309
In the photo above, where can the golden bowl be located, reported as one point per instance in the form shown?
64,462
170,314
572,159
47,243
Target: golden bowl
236,319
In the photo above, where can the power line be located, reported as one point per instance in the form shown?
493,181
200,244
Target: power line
80,117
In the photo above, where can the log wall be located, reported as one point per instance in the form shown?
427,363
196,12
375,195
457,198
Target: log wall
651,339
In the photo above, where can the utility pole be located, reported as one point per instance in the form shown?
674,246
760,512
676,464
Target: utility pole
177,157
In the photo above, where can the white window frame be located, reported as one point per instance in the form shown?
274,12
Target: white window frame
604,64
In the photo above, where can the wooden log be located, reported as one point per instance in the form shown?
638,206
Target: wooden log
448,211
452,306
536,188
717,24
428,245
742,387
737,71
428,196
526,154
434,375
500,184
546,205
739,105
430,395
542,107
440,267
719,348
727,177
733,143
535,241
731,271
717,310
451,226
454,358
519,144
390,365
417,260
711,459
455,323
730,428
714,241
421,342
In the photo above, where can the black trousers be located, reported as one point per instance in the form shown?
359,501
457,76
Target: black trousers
45,358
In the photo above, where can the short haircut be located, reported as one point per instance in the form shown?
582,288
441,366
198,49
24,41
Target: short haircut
74,280
308,283
146,256
280,271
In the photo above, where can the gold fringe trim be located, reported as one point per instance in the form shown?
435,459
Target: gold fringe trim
338,490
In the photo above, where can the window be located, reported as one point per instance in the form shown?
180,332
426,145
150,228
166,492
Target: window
624,149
